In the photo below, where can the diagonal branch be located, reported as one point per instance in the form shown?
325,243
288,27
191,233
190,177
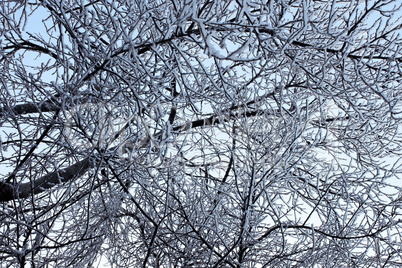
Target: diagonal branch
10,192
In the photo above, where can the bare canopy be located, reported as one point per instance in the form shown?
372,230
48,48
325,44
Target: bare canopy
197,133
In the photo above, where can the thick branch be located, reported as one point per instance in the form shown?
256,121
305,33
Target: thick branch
29,108
33,47
216,119
9,191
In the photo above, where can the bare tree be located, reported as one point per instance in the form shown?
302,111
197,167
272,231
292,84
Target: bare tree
200,133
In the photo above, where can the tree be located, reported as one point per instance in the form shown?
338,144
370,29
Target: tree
200,133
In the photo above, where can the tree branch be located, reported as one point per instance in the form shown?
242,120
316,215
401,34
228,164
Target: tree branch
29,108
10,192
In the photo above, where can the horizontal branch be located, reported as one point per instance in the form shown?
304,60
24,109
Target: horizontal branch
284,226
28,108
217,119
